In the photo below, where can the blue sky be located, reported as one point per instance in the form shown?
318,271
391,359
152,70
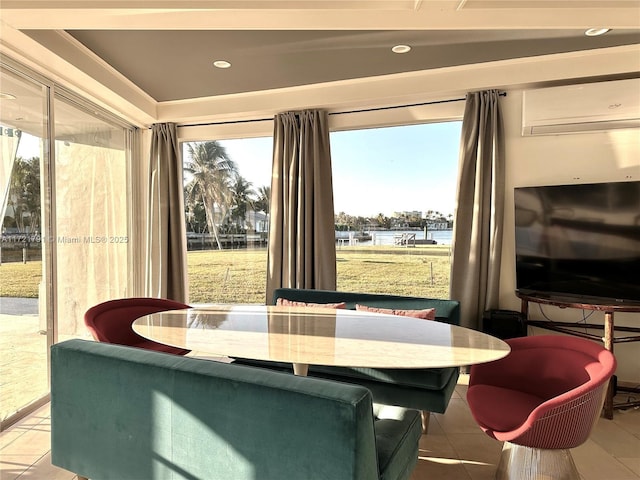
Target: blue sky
379,170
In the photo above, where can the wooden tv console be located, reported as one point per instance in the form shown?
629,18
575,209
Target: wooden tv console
569,328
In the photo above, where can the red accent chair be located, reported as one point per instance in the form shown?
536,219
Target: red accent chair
111,321
541,400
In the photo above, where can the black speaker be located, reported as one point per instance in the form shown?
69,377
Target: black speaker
504,324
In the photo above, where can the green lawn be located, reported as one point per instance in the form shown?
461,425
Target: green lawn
239,276
19,279
421,271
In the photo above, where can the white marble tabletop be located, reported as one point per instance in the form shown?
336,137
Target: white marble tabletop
320,336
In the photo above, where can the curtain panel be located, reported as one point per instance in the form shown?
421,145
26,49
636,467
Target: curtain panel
478,226
302,250
166,274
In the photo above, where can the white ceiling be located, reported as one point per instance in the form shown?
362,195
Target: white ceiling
173,65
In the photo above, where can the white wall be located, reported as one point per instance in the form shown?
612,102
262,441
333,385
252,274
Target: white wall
561,159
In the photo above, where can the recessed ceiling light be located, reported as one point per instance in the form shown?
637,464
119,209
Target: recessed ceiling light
594,32
221,64
401,49
7,96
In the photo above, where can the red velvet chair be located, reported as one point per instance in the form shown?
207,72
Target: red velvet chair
541,400
111,322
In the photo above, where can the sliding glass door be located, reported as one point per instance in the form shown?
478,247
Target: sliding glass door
90,212
64,244
24,326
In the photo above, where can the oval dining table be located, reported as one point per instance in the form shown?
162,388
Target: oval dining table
306,336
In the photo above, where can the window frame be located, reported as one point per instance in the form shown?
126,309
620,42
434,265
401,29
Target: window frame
376,117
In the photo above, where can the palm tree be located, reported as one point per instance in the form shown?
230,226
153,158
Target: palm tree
210,170
242,192
263,200
24,193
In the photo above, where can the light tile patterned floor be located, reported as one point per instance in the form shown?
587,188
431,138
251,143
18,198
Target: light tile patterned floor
454,449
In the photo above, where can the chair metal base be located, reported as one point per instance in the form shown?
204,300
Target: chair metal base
526,463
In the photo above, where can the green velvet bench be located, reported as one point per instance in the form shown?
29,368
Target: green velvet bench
428,390
126,413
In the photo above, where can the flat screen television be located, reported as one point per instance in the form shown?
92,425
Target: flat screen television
579,242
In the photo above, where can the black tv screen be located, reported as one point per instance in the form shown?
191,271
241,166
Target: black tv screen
579,242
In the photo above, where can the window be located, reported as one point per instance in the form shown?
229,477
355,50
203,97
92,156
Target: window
394,198
23,318
227,189
64,242
91,212
387,181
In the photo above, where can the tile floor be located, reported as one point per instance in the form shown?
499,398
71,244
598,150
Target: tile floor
454,449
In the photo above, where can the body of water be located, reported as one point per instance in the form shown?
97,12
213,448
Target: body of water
441,237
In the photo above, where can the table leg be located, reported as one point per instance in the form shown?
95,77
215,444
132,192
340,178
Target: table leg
608,344
300,369
524,309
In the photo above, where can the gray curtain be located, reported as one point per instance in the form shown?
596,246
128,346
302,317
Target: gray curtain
166,274
478,226
302,251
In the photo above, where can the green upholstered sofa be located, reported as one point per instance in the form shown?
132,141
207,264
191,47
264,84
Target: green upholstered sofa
428,390
126,413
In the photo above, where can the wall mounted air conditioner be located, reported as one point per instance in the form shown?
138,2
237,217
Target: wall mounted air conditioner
587,107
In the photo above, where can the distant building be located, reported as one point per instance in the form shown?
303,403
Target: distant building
437,225
256,221
407,214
